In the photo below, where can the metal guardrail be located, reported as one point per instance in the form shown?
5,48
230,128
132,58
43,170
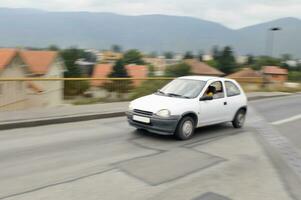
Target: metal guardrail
83,79
239,79
28,92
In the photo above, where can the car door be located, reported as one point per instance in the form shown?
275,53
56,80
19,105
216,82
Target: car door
235,98
215,110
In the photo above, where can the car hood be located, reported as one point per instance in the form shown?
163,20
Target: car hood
154,103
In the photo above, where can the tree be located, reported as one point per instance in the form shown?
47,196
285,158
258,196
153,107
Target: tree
119,70
250,60
201,54
215,53
181,69
116,48
153,54
69,57
286,57
265,61
226,60
151,70
133,56
119,86
169,55
188,55
53,48
212,63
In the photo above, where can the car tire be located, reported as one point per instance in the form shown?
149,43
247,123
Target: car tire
185,128
239,119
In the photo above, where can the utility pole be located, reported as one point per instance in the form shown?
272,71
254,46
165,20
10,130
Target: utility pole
270,40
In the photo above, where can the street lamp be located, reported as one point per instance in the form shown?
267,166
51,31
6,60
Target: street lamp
270,40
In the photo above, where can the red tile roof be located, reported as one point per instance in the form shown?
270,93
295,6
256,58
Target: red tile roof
38,61
137,71
274,70
101,71
6,56
245,73
201,68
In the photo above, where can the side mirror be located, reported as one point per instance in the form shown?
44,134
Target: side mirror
206,98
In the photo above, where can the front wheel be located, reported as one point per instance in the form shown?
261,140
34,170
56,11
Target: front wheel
239,119
185,128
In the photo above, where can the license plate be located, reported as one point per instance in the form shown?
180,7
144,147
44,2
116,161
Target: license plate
141,119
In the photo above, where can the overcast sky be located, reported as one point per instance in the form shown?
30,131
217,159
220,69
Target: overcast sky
231,13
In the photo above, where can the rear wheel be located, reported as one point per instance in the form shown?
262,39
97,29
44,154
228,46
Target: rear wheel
239,119
185,128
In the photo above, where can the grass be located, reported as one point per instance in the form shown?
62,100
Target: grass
274,89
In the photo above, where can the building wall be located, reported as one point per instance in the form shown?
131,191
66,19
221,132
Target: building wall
52,91
110,56
277,78
12,93
158,63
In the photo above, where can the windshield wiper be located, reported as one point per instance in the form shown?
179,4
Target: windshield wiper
177,95
159,91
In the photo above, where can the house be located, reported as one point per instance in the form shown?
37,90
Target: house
207,57
103,70
201,68
245,73
12,93
17,63
43,64
241,59
110,56
86,67
158,63
274,74
137,71
248,78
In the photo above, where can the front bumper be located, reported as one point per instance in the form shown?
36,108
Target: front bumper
159,125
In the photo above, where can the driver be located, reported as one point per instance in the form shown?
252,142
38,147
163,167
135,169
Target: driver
211,90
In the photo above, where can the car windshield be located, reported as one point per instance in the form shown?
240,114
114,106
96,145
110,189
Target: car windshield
183,88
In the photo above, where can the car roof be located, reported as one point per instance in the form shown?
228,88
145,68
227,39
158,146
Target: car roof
204,78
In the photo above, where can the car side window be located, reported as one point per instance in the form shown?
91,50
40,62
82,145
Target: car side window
215,89
232,89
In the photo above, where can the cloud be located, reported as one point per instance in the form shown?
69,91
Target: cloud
232,13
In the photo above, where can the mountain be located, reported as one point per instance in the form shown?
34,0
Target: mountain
37,28
256,38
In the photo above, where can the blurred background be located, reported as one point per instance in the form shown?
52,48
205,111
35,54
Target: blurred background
68,70
53,55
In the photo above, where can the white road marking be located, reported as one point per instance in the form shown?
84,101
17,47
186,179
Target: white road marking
293,118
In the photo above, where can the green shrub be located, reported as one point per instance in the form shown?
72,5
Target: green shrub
177,70
148,87
294,76
73,88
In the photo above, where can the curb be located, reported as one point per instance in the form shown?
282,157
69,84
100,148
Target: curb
42,122
267,97
78,118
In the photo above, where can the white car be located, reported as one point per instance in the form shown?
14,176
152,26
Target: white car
187,103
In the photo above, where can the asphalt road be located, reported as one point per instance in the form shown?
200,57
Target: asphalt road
284,113
107,159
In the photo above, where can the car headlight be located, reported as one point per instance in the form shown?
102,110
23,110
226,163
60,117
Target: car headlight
131,107
163,113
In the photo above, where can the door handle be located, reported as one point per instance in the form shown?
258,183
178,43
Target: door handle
225,103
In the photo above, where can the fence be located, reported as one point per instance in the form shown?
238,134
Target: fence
23,93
